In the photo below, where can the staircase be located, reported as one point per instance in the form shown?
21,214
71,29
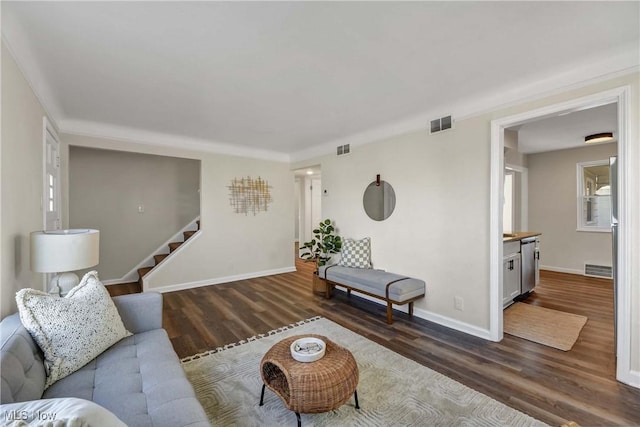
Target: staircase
159,257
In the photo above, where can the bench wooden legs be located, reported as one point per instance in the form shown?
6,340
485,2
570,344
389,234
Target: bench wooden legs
389,313
331,285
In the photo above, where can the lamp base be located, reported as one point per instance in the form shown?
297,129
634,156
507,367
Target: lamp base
62,283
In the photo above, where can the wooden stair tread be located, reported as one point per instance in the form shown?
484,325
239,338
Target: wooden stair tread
141,272
158,258
173,246
144,270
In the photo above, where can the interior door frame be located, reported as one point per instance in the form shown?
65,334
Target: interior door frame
621,96
49,132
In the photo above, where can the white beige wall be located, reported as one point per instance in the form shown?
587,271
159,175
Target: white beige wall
21,181
440,229
231,245
552,210
105,189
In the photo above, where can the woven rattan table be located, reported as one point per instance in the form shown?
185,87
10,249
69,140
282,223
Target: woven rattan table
313,387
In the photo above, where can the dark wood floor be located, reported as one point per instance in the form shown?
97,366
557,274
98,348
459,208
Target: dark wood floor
548,384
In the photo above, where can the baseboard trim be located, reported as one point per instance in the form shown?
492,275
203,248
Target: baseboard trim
453,324
433,317
220,280
631,378
115,282
562,270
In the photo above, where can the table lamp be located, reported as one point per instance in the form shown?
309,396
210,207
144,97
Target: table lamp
62,252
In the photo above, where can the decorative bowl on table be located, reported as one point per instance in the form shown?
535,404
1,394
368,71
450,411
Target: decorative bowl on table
308,349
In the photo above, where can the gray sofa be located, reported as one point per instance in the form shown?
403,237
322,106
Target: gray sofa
139,379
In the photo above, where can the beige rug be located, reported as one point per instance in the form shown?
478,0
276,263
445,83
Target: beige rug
393,390
553,328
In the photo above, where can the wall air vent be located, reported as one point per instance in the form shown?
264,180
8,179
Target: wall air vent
343,149
594,270
441,124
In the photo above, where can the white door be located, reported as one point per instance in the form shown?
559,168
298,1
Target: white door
316,203
51,202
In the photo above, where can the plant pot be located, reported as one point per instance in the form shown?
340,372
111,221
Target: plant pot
319,285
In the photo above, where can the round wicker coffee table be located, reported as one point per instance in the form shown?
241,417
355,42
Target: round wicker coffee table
310,388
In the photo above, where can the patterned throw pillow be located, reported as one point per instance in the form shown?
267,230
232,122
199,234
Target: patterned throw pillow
73,330
356,253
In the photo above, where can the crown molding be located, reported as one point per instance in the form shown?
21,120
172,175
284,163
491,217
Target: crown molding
28,66
139,136
621,62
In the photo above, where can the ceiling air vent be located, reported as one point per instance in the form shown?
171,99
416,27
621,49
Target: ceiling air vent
594,270
441,124
343,149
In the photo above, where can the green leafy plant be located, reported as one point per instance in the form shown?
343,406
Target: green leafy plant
326,243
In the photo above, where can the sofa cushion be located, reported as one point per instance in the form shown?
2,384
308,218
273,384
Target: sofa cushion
72,330
139,379
356,253
21,363
65,412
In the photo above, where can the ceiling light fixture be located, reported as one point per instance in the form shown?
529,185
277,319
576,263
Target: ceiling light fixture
598,137
309,172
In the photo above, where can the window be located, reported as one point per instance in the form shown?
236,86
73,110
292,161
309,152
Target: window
508,217
594,196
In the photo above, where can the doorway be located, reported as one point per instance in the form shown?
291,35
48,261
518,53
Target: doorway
619,97
51,192
308,206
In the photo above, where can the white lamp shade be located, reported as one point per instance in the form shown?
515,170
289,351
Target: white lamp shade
64,250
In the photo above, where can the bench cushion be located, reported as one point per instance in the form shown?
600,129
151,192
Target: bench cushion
374,281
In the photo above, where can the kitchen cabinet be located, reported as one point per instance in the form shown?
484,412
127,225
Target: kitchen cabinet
520,265
511,277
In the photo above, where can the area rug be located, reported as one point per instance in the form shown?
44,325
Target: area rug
552,328
393,390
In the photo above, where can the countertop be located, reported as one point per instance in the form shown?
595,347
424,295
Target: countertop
519,235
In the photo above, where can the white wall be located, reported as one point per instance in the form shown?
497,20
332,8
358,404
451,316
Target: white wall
552,210
440,229
21,181
231,245
106,188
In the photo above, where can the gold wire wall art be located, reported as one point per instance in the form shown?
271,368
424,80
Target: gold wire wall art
249,195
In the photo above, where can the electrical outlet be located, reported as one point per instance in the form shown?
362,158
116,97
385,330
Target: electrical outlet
458,303
140,208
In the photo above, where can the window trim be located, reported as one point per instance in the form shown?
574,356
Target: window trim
580,197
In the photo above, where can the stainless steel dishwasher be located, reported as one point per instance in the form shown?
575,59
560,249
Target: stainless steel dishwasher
528,264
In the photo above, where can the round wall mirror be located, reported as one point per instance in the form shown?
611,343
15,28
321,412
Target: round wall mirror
379,200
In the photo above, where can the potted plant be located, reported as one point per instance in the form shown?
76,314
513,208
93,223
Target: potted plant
320,249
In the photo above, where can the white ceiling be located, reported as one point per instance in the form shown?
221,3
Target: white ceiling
287,78
567,131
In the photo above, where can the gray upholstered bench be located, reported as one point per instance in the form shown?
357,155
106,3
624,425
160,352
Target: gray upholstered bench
390,287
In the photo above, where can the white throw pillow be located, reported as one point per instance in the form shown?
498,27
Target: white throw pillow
61,412
73,330
356,253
